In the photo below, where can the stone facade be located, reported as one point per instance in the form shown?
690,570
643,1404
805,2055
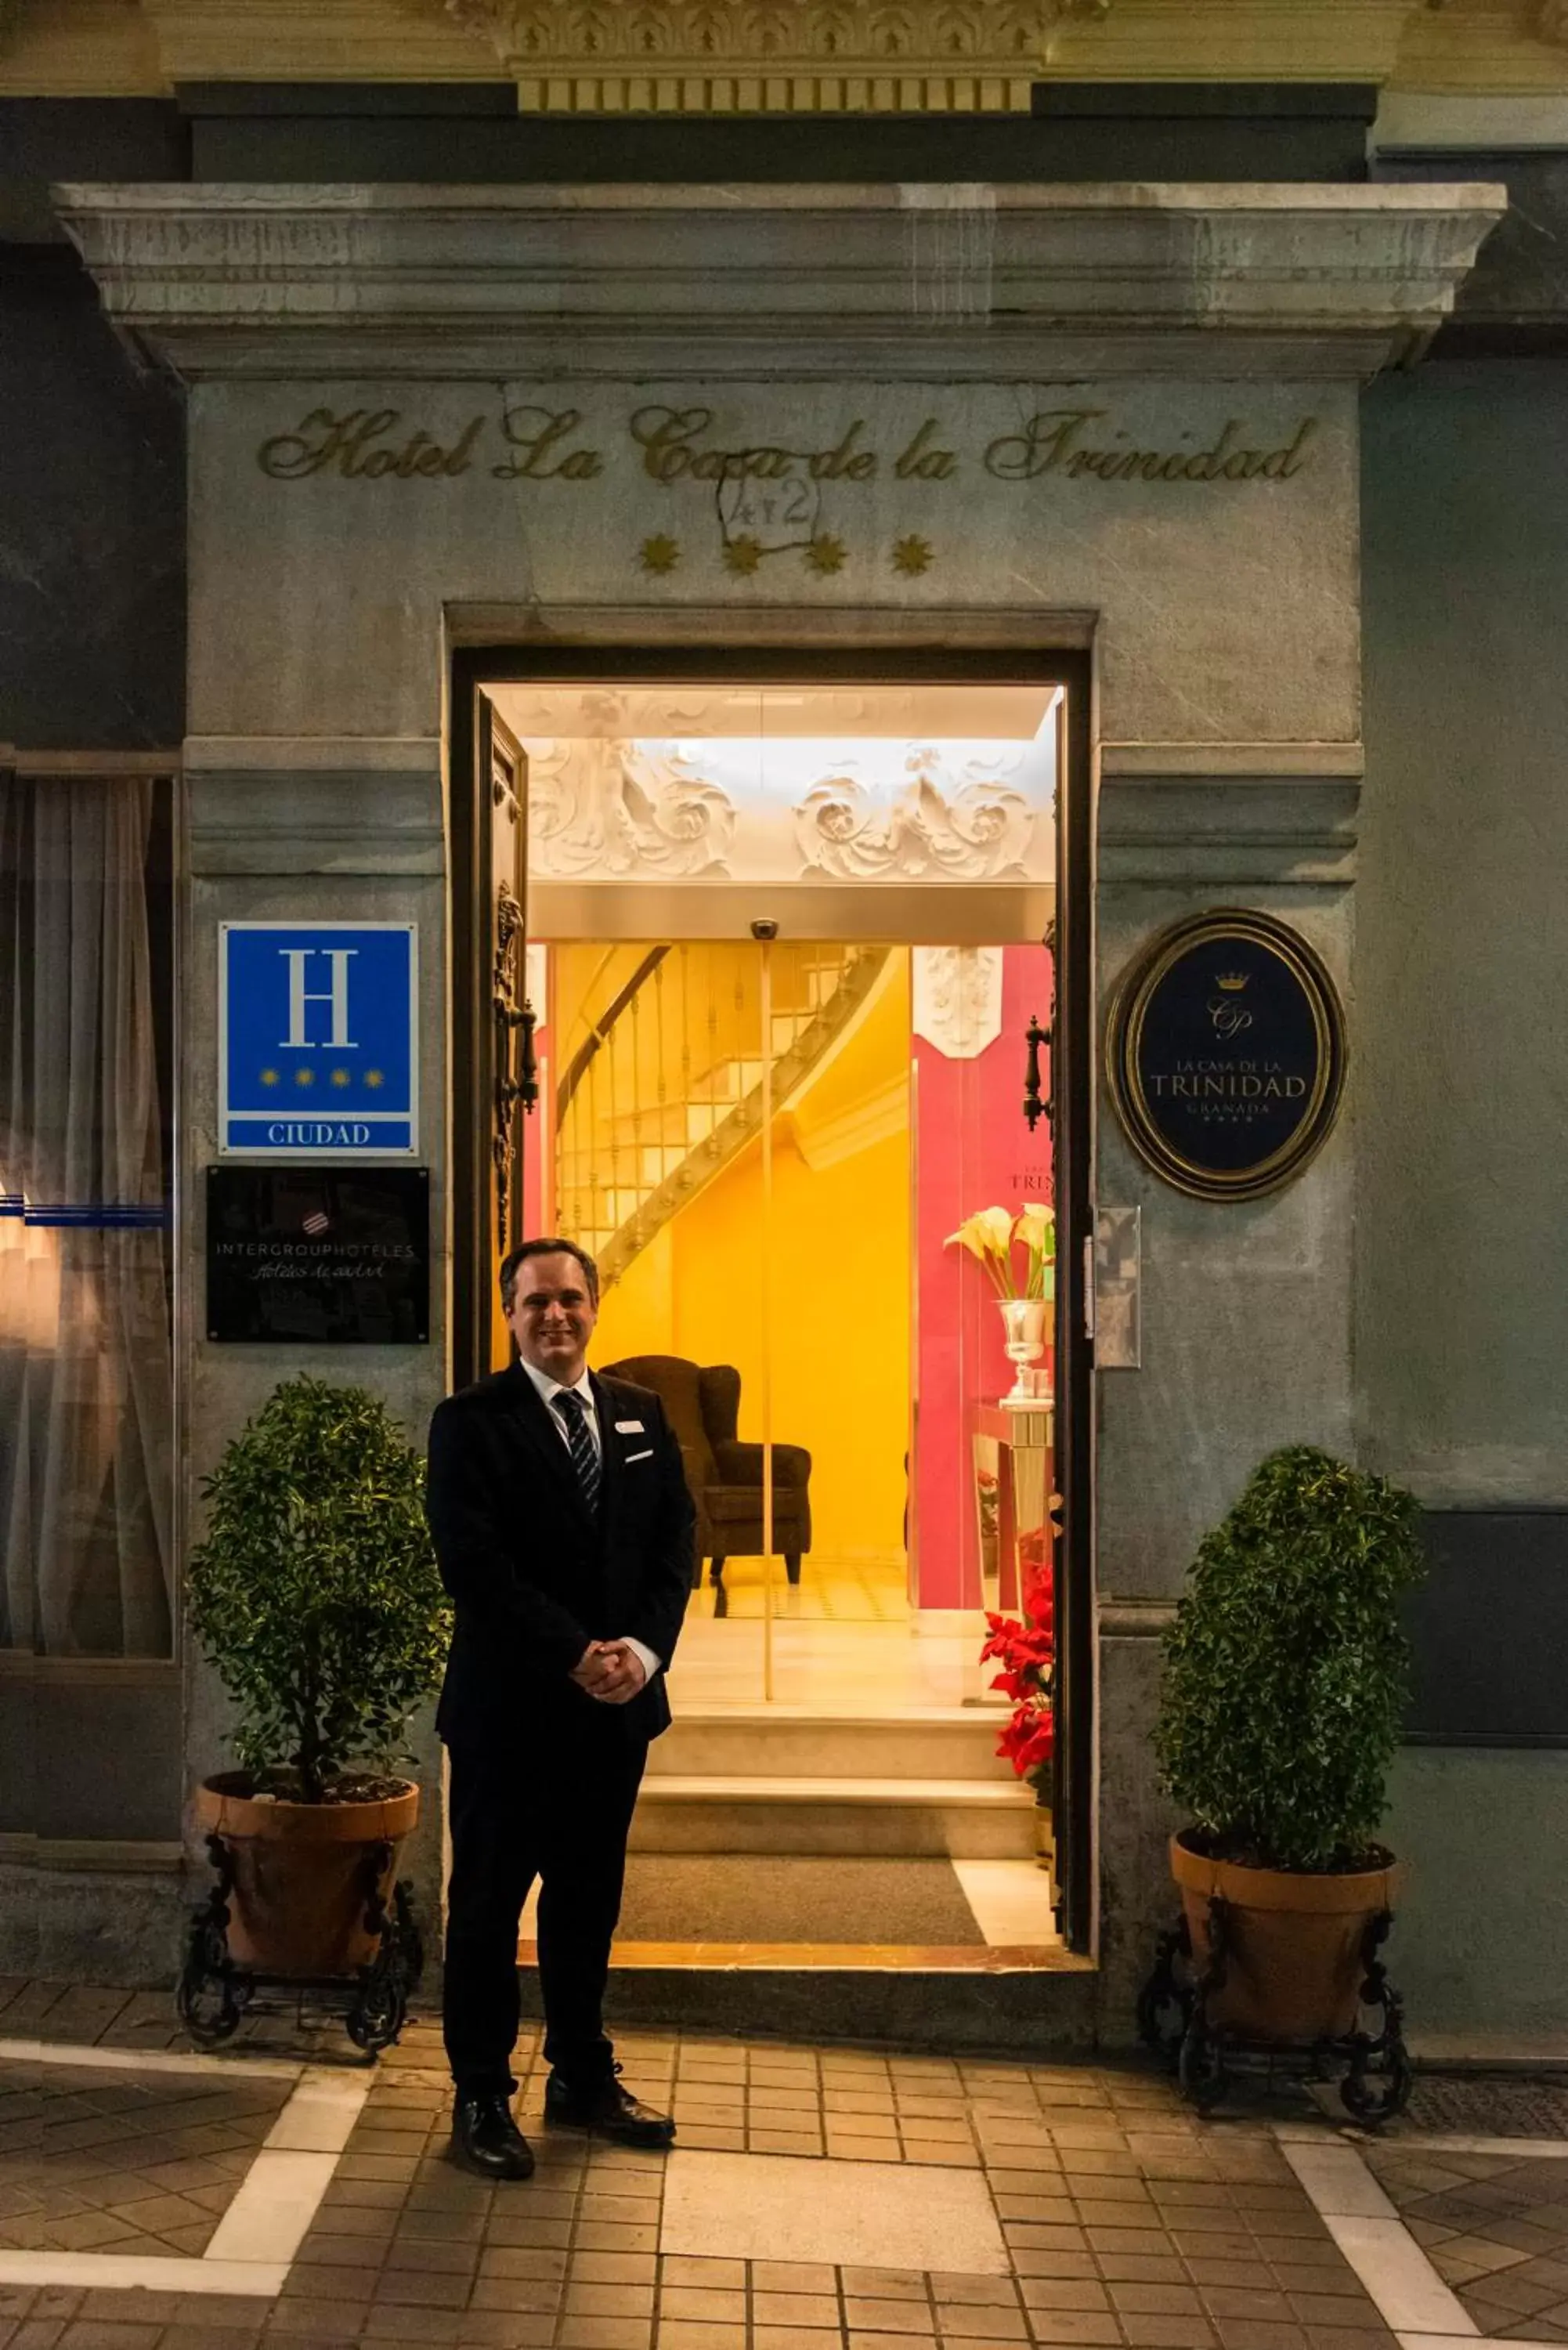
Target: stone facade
1120,416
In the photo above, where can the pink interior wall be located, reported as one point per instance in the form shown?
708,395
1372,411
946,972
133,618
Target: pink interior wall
972,1149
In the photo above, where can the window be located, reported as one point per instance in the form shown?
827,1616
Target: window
86,1359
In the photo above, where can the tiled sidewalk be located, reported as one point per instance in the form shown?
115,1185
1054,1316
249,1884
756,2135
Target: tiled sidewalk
95,2161
1494,2226
1118,2219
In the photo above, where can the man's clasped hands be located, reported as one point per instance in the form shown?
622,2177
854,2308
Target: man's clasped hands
611,1670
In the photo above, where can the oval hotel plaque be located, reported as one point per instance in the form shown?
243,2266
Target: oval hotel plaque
1226,1049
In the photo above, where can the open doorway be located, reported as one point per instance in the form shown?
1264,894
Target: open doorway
770,1149
786,939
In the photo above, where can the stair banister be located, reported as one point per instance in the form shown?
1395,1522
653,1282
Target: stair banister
598,1033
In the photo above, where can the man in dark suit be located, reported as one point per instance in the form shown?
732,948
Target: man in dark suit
565,1530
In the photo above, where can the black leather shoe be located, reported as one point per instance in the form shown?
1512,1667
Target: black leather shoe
603,2106
485,2137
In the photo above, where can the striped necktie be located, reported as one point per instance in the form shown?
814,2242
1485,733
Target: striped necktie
585,1455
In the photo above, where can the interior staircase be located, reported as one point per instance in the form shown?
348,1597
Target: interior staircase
769,1779
653,1106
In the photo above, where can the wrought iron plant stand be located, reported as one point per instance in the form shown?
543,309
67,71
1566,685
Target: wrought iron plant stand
1174,2018
215,1993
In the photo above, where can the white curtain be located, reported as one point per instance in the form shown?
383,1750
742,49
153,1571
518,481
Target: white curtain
86,1389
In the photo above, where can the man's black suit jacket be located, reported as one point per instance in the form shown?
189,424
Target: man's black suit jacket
535,1578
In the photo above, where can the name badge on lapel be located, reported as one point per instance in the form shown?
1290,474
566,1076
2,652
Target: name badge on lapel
629,1427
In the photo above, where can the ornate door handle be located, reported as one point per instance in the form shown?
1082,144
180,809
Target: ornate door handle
1037,1105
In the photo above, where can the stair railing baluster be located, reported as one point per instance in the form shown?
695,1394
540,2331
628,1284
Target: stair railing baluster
612,1216
685,1029
660,1089
637,1111
712,1007
590,1225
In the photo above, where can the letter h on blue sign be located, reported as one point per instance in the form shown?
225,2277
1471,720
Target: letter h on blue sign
317,1037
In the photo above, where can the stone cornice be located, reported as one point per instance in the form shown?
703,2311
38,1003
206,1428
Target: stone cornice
986,282
708,56
783,55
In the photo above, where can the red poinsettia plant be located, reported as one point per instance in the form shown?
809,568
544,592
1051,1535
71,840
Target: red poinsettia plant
1026,1650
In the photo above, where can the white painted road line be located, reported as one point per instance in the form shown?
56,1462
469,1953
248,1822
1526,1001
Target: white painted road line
145,2060
1337,2180
1462,2341
153,2273
320,2116
279,2196
1411,2297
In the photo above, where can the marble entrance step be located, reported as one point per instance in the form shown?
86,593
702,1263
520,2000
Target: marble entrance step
794,1743
966,1819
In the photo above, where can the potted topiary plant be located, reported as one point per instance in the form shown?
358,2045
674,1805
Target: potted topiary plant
1283,1690
316,1595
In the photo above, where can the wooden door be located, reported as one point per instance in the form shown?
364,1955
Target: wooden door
491,1046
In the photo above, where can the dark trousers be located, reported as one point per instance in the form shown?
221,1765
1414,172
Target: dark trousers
562,1819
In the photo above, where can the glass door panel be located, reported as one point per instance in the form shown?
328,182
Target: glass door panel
838,1323
768,1148
659,1173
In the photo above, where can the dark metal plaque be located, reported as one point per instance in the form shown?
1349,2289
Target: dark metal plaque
318,1256
1226,1054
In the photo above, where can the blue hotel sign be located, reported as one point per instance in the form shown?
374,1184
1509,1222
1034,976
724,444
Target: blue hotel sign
317,1039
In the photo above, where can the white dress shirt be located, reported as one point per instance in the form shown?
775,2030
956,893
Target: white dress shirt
547,1389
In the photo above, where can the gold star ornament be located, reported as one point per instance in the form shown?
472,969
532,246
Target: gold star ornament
911,555
661,553
825,553
742,554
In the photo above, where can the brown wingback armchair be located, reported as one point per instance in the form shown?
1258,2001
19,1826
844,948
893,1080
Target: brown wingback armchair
725,1475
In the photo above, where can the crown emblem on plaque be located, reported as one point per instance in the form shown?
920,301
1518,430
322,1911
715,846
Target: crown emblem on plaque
1234,982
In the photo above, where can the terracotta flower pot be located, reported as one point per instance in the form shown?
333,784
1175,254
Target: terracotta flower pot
303,1873
1294,1942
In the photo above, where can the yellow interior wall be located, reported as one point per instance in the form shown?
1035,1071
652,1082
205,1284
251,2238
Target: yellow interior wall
840,1284
637,1316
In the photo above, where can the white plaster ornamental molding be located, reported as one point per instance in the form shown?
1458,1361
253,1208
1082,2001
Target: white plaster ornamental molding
619,806
956,998
607,809
978,832
780,282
